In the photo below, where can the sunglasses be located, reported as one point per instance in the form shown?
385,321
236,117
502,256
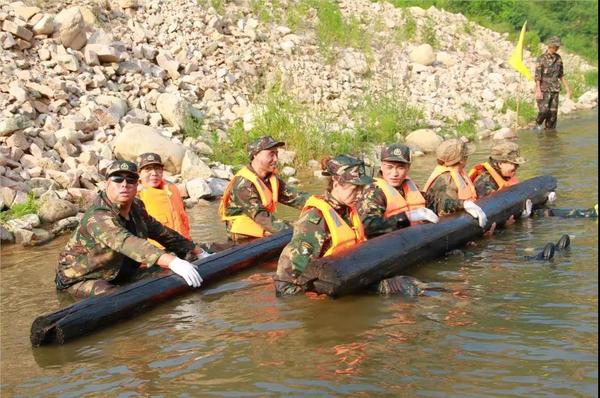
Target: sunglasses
119,179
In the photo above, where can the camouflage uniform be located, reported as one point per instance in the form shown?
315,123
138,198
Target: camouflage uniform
245,199
311,236
373,203
107,247
549,71
442,196
503,151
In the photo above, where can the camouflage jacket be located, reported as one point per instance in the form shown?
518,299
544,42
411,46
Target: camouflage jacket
549,70
309,240
371,207
246,200
485,184
102,244
442,196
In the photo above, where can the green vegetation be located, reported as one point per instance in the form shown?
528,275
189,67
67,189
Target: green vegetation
21,209
407,31
527,109
218,5
192,127
581,82
576,22
428,34
312,136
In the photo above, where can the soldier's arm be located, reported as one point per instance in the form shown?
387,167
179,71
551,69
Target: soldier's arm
291,196
438,198
484,185
172,240
538,71
371,209
310,233
248,199
104,229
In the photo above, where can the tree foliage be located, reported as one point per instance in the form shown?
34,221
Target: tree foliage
576,22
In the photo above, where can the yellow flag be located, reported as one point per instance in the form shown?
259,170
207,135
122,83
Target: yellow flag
516,59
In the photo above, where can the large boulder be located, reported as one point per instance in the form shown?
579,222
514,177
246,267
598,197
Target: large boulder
422,54
175,109
52,208
70,26
426,139
193,167
504,133
136,139
198,188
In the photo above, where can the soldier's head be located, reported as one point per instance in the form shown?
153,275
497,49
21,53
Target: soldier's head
553,44
151,169
395,163
453,153
348,177
122,179
506,158
263,155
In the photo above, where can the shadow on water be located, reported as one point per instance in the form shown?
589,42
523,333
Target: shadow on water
493,324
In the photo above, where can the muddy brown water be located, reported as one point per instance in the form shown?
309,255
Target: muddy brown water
502,327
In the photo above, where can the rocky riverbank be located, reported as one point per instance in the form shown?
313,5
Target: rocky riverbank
83,83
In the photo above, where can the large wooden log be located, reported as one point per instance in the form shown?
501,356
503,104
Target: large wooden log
94,313
387,255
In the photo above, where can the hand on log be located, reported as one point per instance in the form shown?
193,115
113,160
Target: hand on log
187,271
475,212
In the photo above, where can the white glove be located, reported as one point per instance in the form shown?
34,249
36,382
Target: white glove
475,212
527,211
551,198
422,214
187,271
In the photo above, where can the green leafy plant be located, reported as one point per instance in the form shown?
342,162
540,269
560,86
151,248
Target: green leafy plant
20,209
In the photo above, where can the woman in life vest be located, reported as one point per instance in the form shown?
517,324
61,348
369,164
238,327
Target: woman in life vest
328,224
500,171
393,200
161,198
449,188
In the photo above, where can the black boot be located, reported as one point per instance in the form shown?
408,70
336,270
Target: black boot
546,254
563,243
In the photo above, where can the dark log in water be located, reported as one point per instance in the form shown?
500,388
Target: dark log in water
388,255
93,313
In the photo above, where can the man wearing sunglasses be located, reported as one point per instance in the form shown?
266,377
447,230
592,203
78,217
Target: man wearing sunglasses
110,242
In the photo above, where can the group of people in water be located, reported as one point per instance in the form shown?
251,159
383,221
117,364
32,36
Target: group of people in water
139,220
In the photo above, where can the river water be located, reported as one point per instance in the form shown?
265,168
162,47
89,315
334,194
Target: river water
502,327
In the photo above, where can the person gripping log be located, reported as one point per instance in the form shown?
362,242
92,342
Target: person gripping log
110,242
328,223
393,200
449,189
250,199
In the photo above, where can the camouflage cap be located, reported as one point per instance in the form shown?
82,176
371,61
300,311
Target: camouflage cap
262,143
507,151
554,41
348,169
146,159
121,166
396,153
452,151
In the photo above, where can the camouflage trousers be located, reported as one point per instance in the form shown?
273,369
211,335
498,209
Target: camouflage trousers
95,287
548,110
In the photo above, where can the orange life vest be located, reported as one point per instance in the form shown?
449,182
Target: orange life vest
396,203
165,204
242,224
498,179
466,189
342,235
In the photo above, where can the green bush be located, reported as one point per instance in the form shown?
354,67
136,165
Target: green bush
591,78
192,127
527,109
428,34
20,209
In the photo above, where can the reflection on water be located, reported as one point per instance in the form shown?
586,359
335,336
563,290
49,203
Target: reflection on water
497,325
